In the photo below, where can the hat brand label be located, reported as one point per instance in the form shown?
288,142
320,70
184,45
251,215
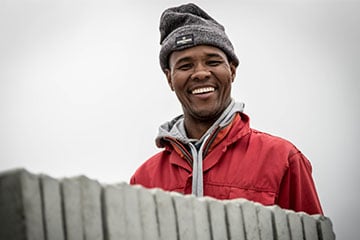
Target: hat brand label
187,39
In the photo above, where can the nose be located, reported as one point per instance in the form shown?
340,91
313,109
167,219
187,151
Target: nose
201,72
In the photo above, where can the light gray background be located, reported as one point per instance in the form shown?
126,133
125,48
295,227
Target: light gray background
81,90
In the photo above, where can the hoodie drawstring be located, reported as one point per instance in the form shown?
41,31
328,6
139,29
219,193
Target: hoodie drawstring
197,172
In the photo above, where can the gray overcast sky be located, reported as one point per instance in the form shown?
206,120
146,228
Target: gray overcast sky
81,90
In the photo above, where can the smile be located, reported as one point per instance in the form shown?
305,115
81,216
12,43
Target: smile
203,90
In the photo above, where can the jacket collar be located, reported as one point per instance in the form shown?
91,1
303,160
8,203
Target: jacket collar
239,128
176,129
216,144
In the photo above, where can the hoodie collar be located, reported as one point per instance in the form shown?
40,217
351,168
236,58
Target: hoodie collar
175,128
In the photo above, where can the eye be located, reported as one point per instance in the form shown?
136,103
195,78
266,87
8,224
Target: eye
185,66
214,63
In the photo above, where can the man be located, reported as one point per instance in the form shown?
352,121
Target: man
210,150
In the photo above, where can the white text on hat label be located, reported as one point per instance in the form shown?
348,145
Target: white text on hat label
184,40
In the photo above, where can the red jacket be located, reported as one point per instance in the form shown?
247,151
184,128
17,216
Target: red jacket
240,163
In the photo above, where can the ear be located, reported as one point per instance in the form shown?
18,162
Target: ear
168,77
233,71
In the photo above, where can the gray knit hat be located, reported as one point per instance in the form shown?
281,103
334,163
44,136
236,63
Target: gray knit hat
188,26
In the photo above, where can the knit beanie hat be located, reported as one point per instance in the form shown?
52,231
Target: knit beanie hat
187,26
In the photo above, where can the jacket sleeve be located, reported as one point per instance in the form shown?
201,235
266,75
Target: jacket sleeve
297,189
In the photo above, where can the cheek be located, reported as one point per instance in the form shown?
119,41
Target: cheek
227,80
226,73
178,81
227,85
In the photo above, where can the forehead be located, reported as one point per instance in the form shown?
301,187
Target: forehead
200,51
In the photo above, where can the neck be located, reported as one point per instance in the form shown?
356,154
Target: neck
196,128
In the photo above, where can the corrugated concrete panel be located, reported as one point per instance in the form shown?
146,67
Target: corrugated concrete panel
185,219
252,231
38,207
53,219
148,215
132,212
166,215
218,220
91,208
115,226
281,224
32,206
325,229
72,209
235,220
125,216
201,218
264,216
20,206
82,208
310,227
11,207
295,225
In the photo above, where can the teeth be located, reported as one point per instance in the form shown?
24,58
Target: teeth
203,90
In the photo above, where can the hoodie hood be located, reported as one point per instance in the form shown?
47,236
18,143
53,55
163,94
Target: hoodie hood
176,129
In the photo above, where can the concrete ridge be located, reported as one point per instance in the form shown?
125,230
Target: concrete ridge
39,207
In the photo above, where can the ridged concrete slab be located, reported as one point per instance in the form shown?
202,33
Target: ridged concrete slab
166,215
20,206
52,209
148,215
185,219
235,220
71,194
295,225
264,216
218,219
310,227
132,212
91,208
31,196
325,229
38,207
201,218
115,226
280,222
251,226
11,206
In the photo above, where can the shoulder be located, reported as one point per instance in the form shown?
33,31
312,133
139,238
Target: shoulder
154,161
276,146
272,140
265,144
276,143
144,172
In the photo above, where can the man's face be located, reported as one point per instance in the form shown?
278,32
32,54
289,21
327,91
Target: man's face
201,77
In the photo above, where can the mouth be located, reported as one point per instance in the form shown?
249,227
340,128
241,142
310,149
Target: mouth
203,90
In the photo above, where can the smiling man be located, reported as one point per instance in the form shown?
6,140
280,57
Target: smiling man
210,150
201,77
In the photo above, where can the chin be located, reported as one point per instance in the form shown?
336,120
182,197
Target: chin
207,114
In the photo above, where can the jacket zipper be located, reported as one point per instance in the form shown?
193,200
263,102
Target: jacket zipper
210,141
187,155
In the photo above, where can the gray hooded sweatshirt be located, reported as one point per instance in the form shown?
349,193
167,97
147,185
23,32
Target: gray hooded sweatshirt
175,129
